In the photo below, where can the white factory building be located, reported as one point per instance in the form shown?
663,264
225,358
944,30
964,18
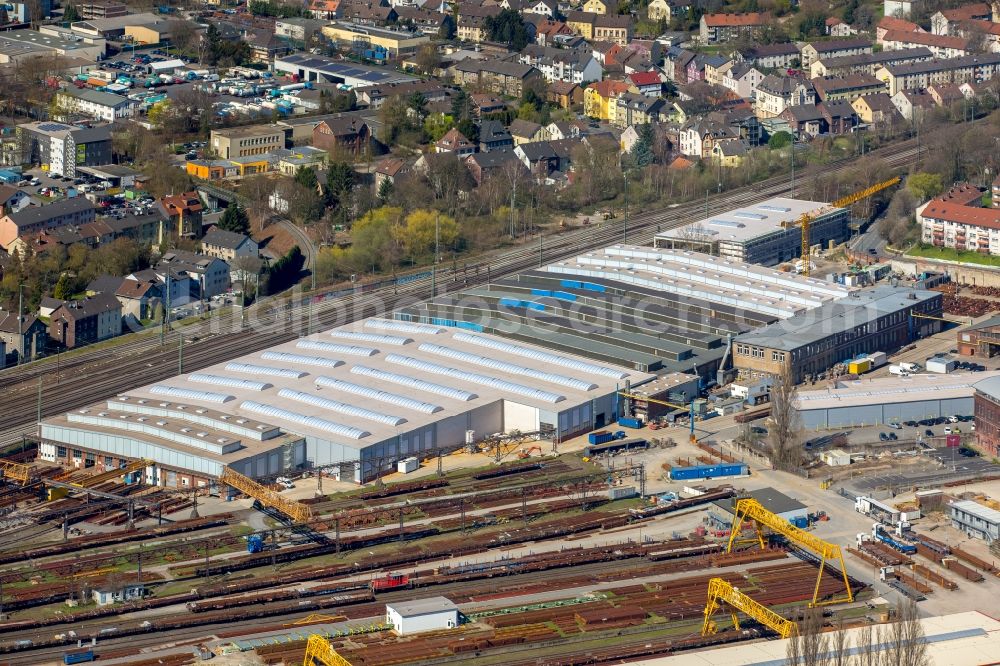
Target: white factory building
767,233
372,392
865,402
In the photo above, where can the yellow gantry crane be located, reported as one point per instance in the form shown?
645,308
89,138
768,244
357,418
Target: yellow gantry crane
751,509
720,591
297,511
97,479
16,471
842,202
320,652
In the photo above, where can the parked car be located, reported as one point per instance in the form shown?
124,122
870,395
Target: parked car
929,432
892,436
947,430
894,426
910,424
883,437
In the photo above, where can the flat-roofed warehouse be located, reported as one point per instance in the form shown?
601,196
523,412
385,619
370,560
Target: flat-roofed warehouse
327,70
884,318
650,309
865,402
373,392
767,233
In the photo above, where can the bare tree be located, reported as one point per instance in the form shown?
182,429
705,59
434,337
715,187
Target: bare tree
809,646
840,646
785,424
183,35
905,639
868,640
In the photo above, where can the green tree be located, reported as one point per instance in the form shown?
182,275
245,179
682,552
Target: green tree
306,177
425,228
461,106
339,184
235,219
779,140
436,125
417,103
507,27
159,112
925,185
642,150
447,29
70,14
63,289
384,191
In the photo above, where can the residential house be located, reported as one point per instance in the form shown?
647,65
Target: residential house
775,93
13,199
471,19
425,20
484,105
48,305
771,56
628,139
95,104
538,158
504,164
877,110
989,31
836,27
606,53
849,87
948,21
913,104
265,46
496,76
90,320
290,160
184,212
228,245
367,14
22,337
729,153
805,121
392,169
920,75
645,83
867,63
897,8
296,29
635,109
743,79
945,94
942,46
557,131
717,28
698,137
547,30
887,23
836,48
343,133
525,131
494,137
139,299
324,9
564,94
569,65
675,64
582,23
667,10
597,6
950,224
716,68
454,142
540,7
34,219
995,192
615,28
599,98
210,275
839,116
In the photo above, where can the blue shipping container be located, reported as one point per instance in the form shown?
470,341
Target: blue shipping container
630,422
78,657
599,437
707,471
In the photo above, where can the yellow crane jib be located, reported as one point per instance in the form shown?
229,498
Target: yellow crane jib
720,591
297,511
16,471
751,509
842,202
319,651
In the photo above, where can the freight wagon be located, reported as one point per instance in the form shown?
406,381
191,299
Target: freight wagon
615,446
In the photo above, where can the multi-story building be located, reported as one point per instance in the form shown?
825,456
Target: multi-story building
976,520
581,23
61,148
948,21
599,97
298,29
209,275
93,319
569,65
614,28
771,56
34,219
22,338
920,75
867,63
184,212
227,245
246,141
950,224
836,48
497,76
636,109
96,104
716,28
396,42
942,46
776,93
807,344
101,9
996,192
846,88
698,137
344,133
743,79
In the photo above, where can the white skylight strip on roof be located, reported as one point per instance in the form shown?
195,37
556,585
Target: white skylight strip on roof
511,368
303,419
288,357
343,408
539,355
232,382
381,396
251,369
336,348
414,383
402,326
486,380
191,394
371,337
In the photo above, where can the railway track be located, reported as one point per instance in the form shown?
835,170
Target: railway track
145,361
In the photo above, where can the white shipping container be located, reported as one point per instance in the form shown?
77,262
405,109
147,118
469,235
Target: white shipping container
878,359
407,465
621,492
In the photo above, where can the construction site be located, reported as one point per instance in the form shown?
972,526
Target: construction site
442,486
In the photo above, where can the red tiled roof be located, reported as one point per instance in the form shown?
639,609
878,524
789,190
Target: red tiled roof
832,21
609,87
734,20
966,12
926,39
893,23
952,212
645,78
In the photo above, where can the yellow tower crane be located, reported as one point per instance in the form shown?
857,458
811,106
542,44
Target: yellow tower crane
842,202
721,591
751,509
319,652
